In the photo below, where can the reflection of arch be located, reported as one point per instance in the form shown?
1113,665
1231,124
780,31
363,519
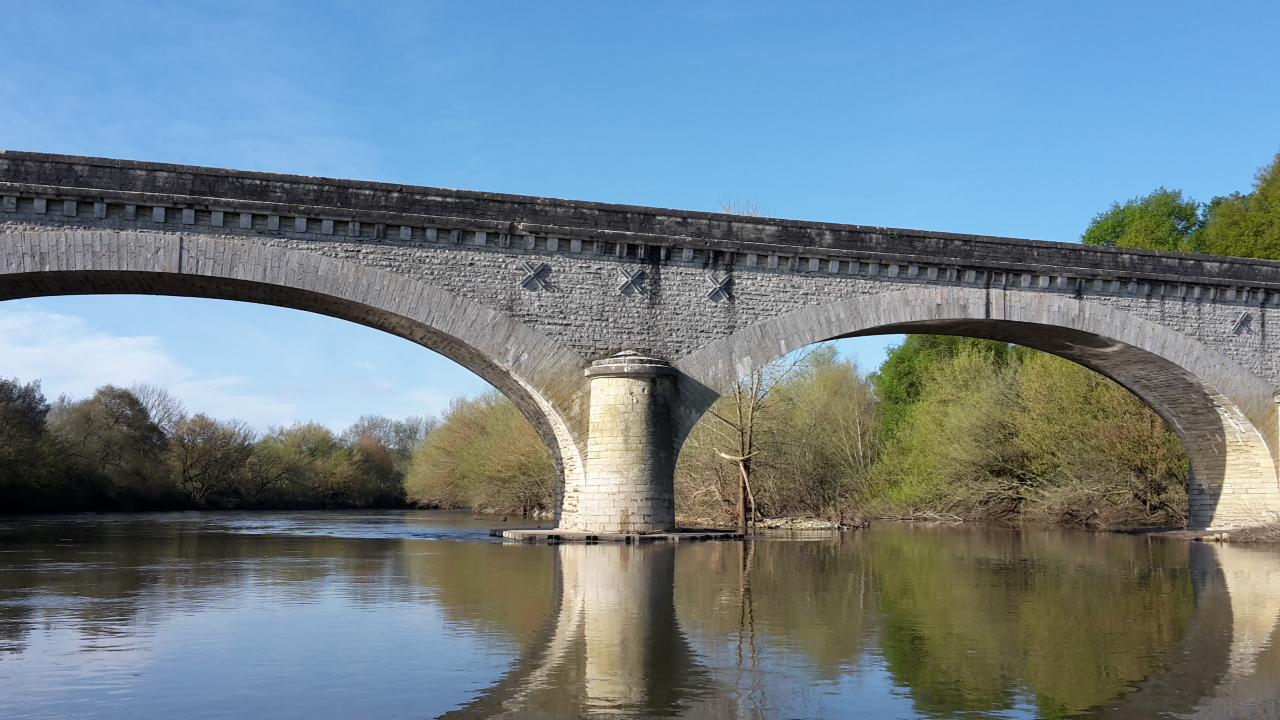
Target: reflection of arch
1215,405
1212,673
543,378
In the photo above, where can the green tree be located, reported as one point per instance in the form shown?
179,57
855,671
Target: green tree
486,456
1163,220
902,376
320,465
23,443
111,437
1247,225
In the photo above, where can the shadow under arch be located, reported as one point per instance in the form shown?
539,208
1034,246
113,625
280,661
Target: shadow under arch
1214,405
542,377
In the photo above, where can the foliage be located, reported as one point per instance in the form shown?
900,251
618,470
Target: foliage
110,440
23,443
1163,220
1247,225
137,449
901,378
207,456
809,424
486,456
1038,438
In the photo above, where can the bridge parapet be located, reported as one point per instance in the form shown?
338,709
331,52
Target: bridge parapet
137,195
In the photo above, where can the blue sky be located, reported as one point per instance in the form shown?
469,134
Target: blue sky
1022,119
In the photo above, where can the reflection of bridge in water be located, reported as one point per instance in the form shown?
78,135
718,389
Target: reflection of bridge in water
1218,670
612,646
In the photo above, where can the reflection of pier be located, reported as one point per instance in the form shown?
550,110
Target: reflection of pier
1227,663
611,647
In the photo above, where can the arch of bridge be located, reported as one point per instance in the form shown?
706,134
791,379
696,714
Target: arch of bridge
1217,408
543,378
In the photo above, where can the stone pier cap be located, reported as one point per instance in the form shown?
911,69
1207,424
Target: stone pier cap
630,364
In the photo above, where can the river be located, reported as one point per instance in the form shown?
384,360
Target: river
422,614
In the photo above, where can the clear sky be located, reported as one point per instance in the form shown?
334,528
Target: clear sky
1022,119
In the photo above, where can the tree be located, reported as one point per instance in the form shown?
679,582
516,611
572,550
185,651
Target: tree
112,437
399,437
803,431
208,456
23,414
165,410
827,441
377,468
1163,220
739,422
902,376
486,456
1247,225
321,470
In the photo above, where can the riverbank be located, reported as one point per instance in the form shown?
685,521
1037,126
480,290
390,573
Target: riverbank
1257,535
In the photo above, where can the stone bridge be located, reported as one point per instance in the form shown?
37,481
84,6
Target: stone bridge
613,328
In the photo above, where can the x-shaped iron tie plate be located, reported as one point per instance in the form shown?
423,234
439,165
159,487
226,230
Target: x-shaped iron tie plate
631,280
535,275
719,288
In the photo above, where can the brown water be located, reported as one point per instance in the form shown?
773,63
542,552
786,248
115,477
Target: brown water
420,614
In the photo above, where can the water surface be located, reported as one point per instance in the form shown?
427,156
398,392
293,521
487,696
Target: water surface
422,614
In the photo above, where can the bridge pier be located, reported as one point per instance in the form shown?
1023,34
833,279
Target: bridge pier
629,479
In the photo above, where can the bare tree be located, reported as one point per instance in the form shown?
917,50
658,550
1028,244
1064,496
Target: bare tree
208,455
745,208
165,410
739,422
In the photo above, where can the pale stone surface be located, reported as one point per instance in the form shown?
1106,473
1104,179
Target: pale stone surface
1190,335
629,485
